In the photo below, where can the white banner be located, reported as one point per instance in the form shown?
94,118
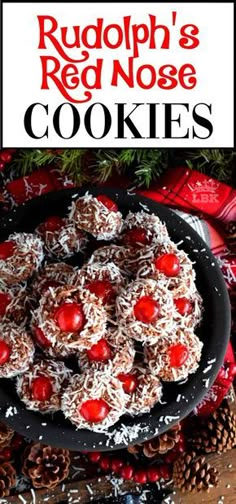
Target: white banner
117,74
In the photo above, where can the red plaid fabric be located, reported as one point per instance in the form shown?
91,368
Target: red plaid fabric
195,192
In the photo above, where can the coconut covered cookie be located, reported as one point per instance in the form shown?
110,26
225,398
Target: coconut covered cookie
42,385
15,303
147,311
103,280
173,359
97,215
52,275
143,389
20,256
94,401
61,238
16,350
112,354
169,266
68,320
123,257
141,229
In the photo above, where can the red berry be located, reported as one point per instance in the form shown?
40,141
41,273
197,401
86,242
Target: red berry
105,463
94,456
165,472
181,437
102,289
127,472
5,156
168,264
147,310
2,166
41,388
53,223
70,317
170,457
5,352
140,476
7,249
16,441
6,453
184,306
153,474
180,448
107,202
94,410
116,464
41,338
178,355
5,299
130,382
136,236
99,352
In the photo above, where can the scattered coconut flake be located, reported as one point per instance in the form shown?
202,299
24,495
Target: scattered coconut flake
90,491
211,361
206,381
208,368
21,499
33,496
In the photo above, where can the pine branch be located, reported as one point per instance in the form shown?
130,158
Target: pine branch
142,166
29,159
72,163
218,163
152,163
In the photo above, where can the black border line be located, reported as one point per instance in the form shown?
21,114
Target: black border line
108,146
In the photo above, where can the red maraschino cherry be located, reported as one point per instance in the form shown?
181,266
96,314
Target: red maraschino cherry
107,202
168,264
5,352
7,249
41,388
129,381
94,410
70,317
53,223
178,355
134,237
140,476
183,305
5,300
99,352
40,338
147,310
102,289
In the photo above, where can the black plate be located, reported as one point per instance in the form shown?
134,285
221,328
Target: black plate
178,399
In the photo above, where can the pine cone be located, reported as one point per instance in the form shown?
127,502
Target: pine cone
6,435
216,433
163,443
45,465
158,445
7,479
192,473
